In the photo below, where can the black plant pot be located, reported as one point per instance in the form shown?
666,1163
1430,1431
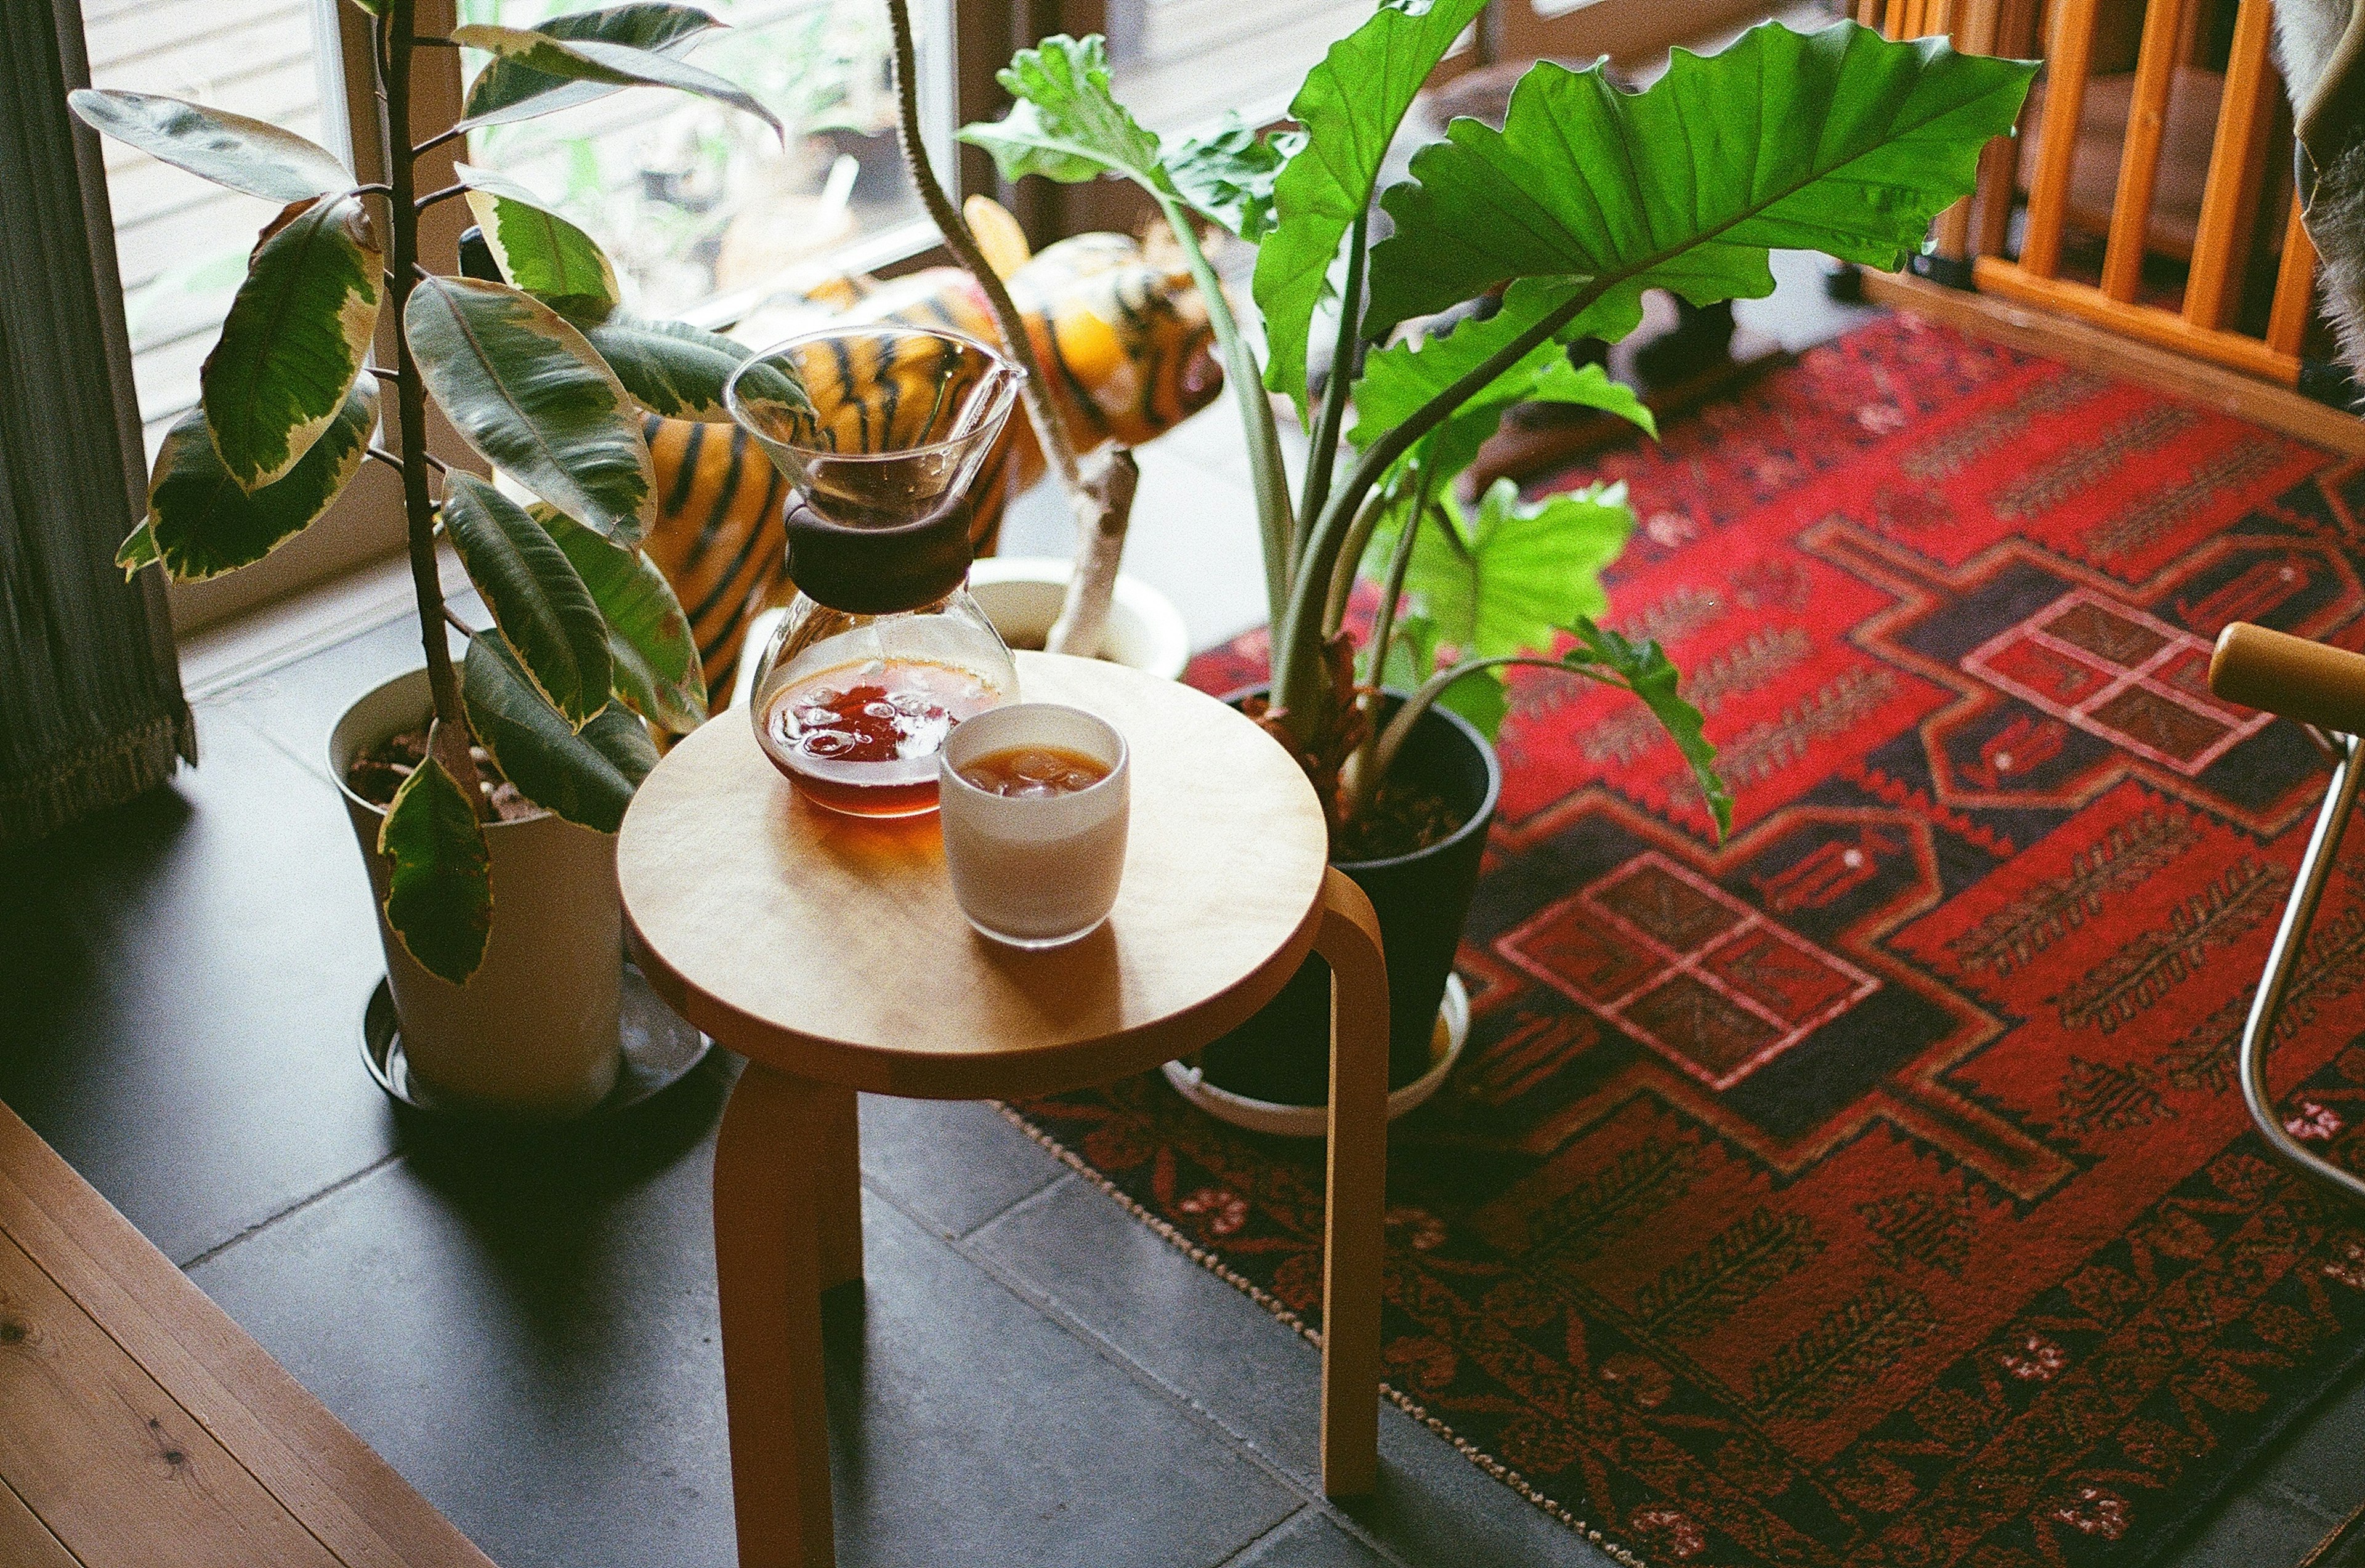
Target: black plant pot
1283,1054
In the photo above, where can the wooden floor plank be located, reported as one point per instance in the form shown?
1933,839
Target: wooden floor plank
109,1462
25,1541
318,1470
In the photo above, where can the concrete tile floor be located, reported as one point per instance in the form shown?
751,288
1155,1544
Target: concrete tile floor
528,1332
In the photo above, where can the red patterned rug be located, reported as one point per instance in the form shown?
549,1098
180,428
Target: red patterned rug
1874,1189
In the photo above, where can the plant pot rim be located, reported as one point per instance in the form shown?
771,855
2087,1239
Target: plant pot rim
1479,819
337,765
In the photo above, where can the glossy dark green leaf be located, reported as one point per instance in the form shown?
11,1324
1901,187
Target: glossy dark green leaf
1228,175
507,91
531,394
1644,669
537,599
650,643
440,897
1836,140
1397,380
596,61
138,550
201,522
537,248
296,335
213,145
675,370
1350,104
587,776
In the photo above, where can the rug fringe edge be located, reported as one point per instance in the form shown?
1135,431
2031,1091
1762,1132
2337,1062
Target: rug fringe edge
1207,1260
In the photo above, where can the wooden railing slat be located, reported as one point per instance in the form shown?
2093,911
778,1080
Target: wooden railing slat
2066,66
2229,203
2139,162
2294,287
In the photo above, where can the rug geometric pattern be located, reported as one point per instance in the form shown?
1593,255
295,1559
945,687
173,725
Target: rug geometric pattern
1872,1188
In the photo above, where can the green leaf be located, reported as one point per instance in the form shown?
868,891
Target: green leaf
587,777
1836,142
530,394
440,897
1644,669
213,145
1229,175
608,64
537,250
1479,697
1397,380
202,522
677,371
1065,124
1351,105
138,550
295,336
1525,568
537,596
650,643
506,91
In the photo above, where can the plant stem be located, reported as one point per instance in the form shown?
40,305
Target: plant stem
1350,555
1297,676
1392,739
1360,780
451,737
1324,457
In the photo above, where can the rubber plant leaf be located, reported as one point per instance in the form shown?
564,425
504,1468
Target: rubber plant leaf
537,599
138,550
1230,174
531,394
1508,580
608,64
296,335
537,248
439,896
1836,140
677,371
1644,669
213,145
650,645
587,776
1350,104
506,91
201,522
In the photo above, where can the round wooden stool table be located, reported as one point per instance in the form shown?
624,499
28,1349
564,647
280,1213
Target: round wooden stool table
828,951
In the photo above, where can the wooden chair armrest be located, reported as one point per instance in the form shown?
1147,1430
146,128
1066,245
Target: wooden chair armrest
2313,683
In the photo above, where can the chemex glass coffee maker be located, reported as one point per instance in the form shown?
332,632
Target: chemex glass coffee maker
882,431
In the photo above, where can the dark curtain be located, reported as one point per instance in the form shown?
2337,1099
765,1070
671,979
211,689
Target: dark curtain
91,711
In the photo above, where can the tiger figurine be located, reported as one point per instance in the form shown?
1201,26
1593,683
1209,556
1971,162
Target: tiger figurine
1125,346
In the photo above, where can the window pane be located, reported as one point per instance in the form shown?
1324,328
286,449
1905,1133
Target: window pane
181,241
698,205
1180,63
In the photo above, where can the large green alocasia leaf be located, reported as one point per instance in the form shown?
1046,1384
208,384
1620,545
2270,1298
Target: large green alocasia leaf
530,394
606,64
537,599
1411,659
1350,104
230,150
1228,175
587,777
201,522
440,899
1066,124
1519,571
506,91
1644,669
1399,379
537,250
297,332
650,643
1835,141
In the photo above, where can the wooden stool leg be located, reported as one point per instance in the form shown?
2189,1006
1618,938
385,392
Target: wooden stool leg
839,1174
1355,1243
769,1217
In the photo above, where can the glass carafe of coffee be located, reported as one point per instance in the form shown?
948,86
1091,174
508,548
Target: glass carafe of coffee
882,431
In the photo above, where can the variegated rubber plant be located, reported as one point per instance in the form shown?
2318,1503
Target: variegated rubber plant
1836,142
544,375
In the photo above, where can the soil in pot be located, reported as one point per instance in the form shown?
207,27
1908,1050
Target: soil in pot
1417,857
378,772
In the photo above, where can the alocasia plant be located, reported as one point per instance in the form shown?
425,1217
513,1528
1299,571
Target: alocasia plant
1836,140
544,375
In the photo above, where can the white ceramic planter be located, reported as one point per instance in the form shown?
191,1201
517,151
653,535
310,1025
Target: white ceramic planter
533,1033
1022,595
